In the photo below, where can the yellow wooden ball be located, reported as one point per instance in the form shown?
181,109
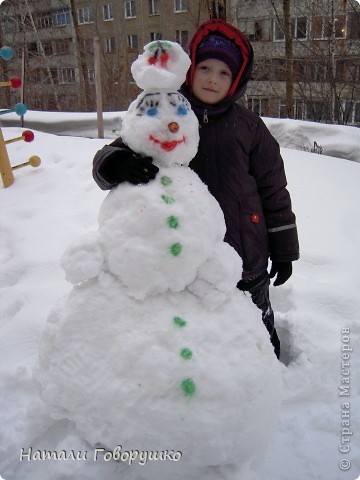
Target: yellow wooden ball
34,161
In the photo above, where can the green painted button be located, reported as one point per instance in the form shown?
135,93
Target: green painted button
186,353
188,387
173,221
167,199
166,181
179,322
175,249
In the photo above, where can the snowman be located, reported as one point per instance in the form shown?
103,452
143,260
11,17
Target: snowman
155,349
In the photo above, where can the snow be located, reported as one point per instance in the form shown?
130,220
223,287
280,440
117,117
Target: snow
335,140
162,64
155,303
316,310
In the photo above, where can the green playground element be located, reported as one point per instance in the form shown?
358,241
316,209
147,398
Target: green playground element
172,221
166,181
176,249
188,387
186,353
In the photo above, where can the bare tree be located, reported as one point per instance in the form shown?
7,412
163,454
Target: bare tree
85,94
289,77
310,61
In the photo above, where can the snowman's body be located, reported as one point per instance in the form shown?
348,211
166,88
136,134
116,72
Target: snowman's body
156,349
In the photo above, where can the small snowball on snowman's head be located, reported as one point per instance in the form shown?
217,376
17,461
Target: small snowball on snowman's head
163,63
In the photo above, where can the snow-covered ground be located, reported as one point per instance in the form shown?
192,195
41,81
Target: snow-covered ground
318,432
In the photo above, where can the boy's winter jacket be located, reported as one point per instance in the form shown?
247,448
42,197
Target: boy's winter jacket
240,162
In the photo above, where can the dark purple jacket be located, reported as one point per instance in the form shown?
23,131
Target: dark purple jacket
240,162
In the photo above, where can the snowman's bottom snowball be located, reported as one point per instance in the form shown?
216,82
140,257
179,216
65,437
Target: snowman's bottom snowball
116,367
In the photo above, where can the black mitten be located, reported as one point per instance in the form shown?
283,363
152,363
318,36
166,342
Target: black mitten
124,165
282,270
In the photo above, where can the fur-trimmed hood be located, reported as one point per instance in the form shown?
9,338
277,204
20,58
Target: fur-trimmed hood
239,85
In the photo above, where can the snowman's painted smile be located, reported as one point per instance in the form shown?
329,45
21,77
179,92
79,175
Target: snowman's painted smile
167,145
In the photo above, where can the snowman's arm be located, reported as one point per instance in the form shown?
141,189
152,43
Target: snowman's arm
218,276
224,269
104,164
83,259
116,163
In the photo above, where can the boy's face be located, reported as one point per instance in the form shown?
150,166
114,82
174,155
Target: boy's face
212,81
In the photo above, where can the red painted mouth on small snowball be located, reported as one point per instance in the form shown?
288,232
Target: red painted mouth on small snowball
167,146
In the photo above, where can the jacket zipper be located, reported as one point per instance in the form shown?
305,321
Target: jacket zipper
205,117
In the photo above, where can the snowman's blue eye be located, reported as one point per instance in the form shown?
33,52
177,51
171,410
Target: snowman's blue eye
152,112
181,110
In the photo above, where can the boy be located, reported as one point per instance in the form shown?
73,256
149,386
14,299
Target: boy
238,159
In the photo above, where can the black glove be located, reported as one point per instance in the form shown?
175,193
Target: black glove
282,270
125,165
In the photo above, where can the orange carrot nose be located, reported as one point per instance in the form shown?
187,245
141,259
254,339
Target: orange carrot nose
173,127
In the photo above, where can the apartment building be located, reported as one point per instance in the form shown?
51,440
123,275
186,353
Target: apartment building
54,45
45,52
318,68
306,68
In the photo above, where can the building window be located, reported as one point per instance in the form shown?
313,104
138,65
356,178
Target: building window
114,76
352,112
260,106
258,34
62,46
61,17
353,71
357,112
89,46
66,75
299,27
257,30
130,9
32,49
348,70
319,71
279,35
182,37
132,42
354,25
282,110
340,26
91,76
44,20
48,47
155,36
320,27
324,27
107,12
154,7
180,6
55,18
318,111
85,15
299,109
110,45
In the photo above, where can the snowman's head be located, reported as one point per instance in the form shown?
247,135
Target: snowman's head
163,63
160,124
